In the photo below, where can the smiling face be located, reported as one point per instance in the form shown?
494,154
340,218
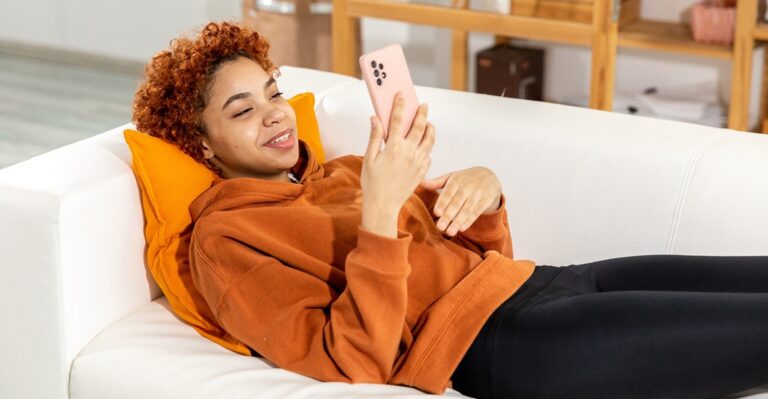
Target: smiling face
250,129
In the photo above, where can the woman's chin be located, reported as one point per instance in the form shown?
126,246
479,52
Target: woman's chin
287,164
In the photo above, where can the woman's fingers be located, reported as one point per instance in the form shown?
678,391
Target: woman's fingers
465,217
418,127
469,214
454,202
429,137
435,184
445,197
466,195
424,167
428,141
457,207
412,131
396,118
377,134
453,228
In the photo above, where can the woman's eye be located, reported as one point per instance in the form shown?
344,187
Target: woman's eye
243,112
278,94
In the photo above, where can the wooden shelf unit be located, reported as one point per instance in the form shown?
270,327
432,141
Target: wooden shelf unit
603,35
761,34
670,37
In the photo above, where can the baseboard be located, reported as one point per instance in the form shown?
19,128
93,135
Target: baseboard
72,57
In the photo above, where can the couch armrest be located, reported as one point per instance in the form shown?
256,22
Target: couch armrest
72,238
71,234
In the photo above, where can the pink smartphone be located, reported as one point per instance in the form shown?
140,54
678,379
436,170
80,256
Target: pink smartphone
385,73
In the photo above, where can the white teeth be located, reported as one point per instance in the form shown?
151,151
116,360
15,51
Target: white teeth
281,138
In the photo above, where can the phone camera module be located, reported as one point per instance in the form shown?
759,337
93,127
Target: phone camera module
378,82
376,73
373,64
381,66
384,75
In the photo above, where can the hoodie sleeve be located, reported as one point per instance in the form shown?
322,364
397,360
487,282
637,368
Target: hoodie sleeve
298,321
489,231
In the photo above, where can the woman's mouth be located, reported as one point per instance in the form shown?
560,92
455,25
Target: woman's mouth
282,140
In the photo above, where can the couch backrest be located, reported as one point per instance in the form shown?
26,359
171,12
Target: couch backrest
71,235
584,185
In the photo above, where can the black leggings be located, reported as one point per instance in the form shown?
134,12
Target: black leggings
655,326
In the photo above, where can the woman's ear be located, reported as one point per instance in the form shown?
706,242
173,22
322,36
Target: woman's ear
207,151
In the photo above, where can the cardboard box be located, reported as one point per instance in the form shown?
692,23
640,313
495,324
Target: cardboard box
298,31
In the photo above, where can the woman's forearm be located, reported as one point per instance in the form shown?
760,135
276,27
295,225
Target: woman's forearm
379,220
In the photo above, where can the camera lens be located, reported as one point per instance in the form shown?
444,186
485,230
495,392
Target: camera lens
378,82
384,75
376,73
381,66
373,64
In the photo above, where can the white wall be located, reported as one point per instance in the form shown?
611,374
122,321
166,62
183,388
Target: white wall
129,29
136,29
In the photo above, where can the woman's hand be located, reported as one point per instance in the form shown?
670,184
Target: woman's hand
390,175
465,196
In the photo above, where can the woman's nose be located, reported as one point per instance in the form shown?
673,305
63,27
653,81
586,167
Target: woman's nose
274,116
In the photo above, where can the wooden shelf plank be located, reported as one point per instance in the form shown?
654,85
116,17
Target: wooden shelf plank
761,32
474,21
671,37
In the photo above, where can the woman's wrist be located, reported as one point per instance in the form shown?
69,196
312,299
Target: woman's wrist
494,207
379,220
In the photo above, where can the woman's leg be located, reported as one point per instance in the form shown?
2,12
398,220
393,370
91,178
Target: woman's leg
660,326
679,273
633,344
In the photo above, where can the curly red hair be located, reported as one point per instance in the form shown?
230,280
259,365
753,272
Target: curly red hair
169,102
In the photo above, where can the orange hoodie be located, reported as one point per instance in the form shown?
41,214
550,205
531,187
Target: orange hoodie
287,270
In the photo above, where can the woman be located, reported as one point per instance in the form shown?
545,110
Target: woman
362,270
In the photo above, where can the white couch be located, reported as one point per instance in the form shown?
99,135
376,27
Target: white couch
82,318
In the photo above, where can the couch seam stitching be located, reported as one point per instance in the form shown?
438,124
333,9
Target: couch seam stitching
684,188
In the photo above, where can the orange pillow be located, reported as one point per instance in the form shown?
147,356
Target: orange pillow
169,180
306,123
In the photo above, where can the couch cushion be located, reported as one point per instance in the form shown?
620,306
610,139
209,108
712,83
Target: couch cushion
722,208
152,355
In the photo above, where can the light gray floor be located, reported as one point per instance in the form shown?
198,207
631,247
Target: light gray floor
46,104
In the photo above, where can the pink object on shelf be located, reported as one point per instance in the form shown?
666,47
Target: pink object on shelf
714,21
